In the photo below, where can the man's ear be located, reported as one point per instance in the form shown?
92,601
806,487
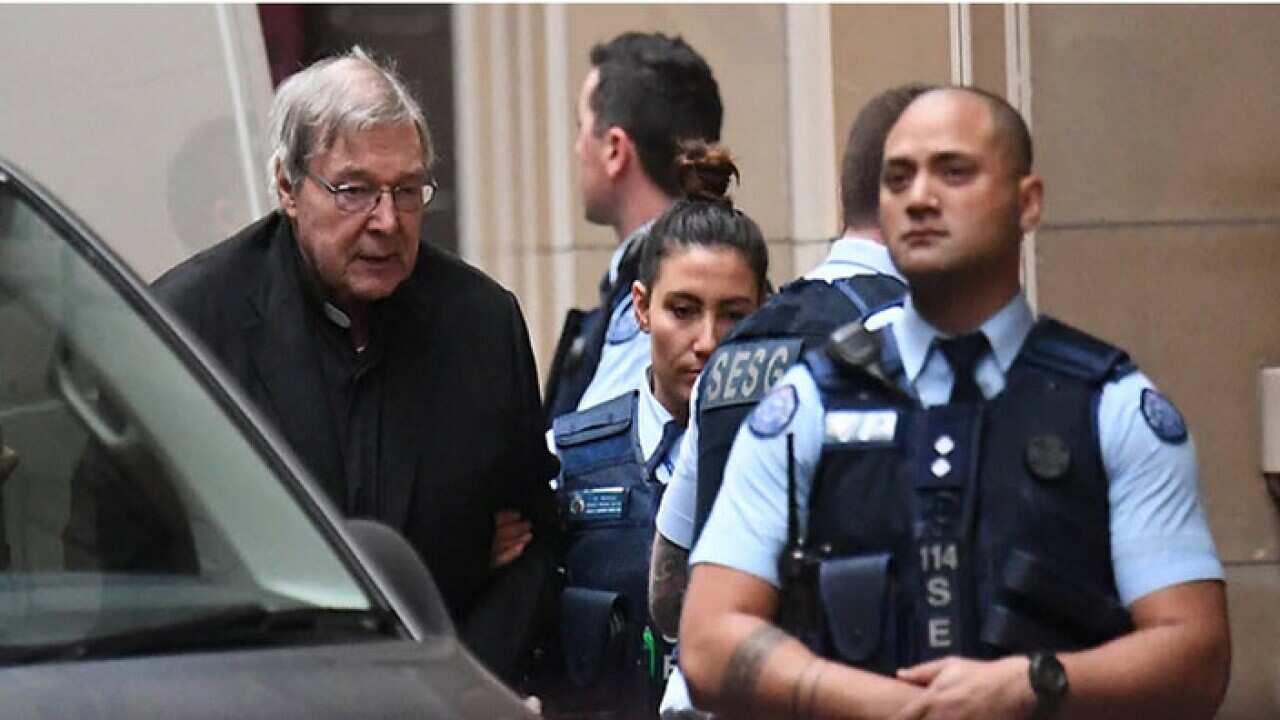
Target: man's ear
640,304
618,151
286,193
1030,202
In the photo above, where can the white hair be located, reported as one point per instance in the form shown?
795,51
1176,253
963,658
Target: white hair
346,92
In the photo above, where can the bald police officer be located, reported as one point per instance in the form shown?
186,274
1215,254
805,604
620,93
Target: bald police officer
956,539
856,276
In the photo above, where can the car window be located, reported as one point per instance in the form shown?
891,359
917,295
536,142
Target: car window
130,497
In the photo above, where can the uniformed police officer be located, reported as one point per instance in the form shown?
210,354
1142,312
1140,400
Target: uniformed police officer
856,276
644,94
703,268
991,516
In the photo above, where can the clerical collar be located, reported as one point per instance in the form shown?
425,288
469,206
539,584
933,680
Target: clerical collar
315,294
336,316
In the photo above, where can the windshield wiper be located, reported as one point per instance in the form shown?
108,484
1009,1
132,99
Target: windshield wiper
233,626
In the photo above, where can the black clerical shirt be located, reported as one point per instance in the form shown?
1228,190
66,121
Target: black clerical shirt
353,394
353,391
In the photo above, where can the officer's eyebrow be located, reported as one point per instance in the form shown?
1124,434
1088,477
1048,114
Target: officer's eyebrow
946,157
683,296
734,302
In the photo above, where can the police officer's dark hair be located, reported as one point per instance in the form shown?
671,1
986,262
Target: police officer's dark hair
864,153
1011,129
660,91
704,216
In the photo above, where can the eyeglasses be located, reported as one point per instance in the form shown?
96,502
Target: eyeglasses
353,198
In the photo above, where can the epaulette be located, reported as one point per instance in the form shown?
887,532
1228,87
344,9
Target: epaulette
608,418
870,293
1061,348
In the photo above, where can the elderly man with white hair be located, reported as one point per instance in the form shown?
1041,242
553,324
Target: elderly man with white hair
402,377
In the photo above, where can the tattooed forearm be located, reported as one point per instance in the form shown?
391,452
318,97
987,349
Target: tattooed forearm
668,579
805,691
740,675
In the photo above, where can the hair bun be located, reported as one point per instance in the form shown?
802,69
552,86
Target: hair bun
704,171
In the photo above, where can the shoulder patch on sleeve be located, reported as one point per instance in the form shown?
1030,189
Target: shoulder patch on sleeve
1162,417
774,413
624,325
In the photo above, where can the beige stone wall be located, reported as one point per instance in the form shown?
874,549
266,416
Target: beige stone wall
514,136
867,55
1154,131
878,46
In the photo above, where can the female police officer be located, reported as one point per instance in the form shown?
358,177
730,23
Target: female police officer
702,269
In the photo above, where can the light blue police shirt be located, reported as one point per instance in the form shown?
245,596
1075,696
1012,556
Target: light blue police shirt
625,354
652,417
849,256
1159,536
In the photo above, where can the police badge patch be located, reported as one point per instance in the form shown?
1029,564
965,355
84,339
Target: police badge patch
1162,417
774,412
624,326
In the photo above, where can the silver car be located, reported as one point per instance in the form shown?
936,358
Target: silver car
238,591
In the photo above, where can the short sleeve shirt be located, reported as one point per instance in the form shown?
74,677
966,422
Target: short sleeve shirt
849,256
1159,534
625,354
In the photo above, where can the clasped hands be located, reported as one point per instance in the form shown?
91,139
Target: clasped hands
959,689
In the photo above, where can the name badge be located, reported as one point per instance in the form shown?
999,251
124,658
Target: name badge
742,373
607,503
860,427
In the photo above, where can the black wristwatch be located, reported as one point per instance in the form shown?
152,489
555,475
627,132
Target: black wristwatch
1048,681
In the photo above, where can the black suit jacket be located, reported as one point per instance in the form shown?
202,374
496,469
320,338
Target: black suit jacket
461,425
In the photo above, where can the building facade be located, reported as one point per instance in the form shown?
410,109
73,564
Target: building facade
1154,129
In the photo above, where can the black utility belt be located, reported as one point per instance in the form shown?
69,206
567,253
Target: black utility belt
871,620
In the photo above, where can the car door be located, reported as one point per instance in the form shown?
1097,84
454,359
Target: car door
146,512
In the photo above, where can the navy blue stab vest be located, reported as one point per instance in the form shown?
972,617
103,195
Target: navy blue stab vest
608,506
760,349
582,338
974,529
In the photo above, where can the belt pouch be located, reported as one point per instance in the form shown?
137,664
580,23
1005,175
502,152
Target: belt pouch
854,592
592,623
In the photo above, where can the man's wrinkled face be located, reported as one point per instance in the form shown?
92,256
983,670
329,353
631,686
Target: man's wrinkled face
364,256
950,201
590,149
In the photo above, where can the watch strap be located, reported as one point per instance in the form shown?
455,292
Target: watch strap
1048,679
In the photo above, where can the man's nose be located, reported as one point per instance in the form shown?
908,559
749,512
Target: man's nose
922,197
383,216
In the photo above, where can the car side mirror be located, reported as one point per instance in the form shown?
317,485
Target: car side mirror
402,577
